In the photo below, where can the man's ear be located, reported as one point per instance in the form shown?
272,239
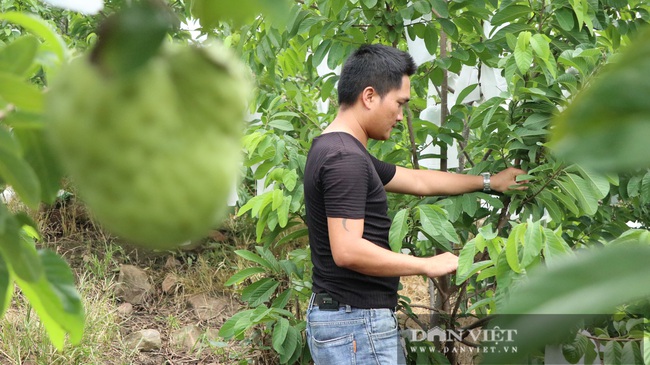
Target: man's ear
368,97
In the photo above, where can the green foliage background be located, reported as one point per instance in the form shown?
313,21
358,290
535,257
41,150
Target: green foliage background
574,115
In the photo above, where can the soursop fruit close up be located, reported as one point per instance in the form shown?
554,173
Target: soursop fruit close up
154,153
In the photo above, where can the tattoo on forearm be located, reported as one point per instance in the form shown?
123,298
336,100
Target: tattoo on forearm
344,226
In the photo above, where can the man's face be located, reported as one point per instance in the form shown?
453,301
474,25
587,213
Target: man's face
389,111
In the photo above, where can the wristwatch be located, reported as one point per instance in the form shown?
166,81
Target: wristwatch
486,182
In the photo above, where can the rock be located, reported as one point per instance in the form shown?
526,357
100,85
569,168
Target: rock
206,307
133,284
217,236
212,334
144,340
169,283
172,263
186,337
125,309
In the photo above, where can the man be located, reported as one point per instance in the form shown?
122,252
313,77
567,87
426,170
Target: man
351,316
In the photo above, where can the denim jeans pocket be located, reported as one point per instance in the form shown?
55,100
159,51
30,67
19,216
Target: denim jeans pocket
383,323
334,351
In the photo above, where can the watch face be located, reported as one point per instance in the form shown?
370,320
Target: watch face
486,181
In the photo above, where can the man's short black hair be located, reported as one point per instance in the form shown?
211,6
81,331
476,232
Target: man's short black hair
376,65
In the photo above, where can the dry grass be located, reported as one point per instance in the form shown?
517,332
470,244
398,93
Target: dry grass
95,257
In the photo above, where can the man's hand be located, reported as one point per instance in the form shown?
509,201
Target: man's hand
441,264
507,179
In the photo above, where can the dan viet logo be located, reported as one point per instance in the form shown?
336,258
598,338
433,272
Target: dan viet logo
492,340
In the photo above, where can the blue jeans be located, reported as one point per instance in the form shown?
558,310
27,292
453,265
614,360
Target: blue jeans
353,336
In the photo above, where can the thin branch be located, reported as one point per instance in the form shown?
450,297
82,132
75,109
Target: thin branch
436,284
409,124
463,290
503,216
487,154
613,339
530,198
479,323
468,158
427,307
415,319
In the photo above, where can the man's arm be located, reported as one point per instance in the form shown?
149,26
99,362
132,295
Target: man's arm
431,182
351,251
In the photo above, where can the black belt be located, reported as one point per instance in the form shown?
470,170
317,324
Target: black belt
325,302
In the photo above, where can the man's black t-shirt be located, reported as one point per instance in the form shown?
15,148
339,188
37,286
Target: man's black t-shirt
342,180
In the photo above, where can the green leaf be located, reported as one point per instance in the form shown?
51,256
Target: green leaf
523,53
448,27
481,303
259,292
599,182
19,92
369,3
645,189
289,179
617,274
290,344
575,350
17,57
564,17
486,273
251,256
321,51
336,55
242,275
431,39
466,91
236,324
422,6
56,300
278,197
435,222
283,211
280,334
475,268
466,260
631,353
282,300
566,200
293,236
605,127
256,204
6,287
440,6
281,124
646,348
18,251
268,256
582,191
533,242
398,229
39,155
241,12
555,248
510,13
8,142
512,247
612,353
540,45
40,28
551,206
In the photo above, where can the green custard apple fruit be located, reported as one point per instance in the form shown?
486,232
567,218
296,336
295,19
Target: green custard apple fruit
154,154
